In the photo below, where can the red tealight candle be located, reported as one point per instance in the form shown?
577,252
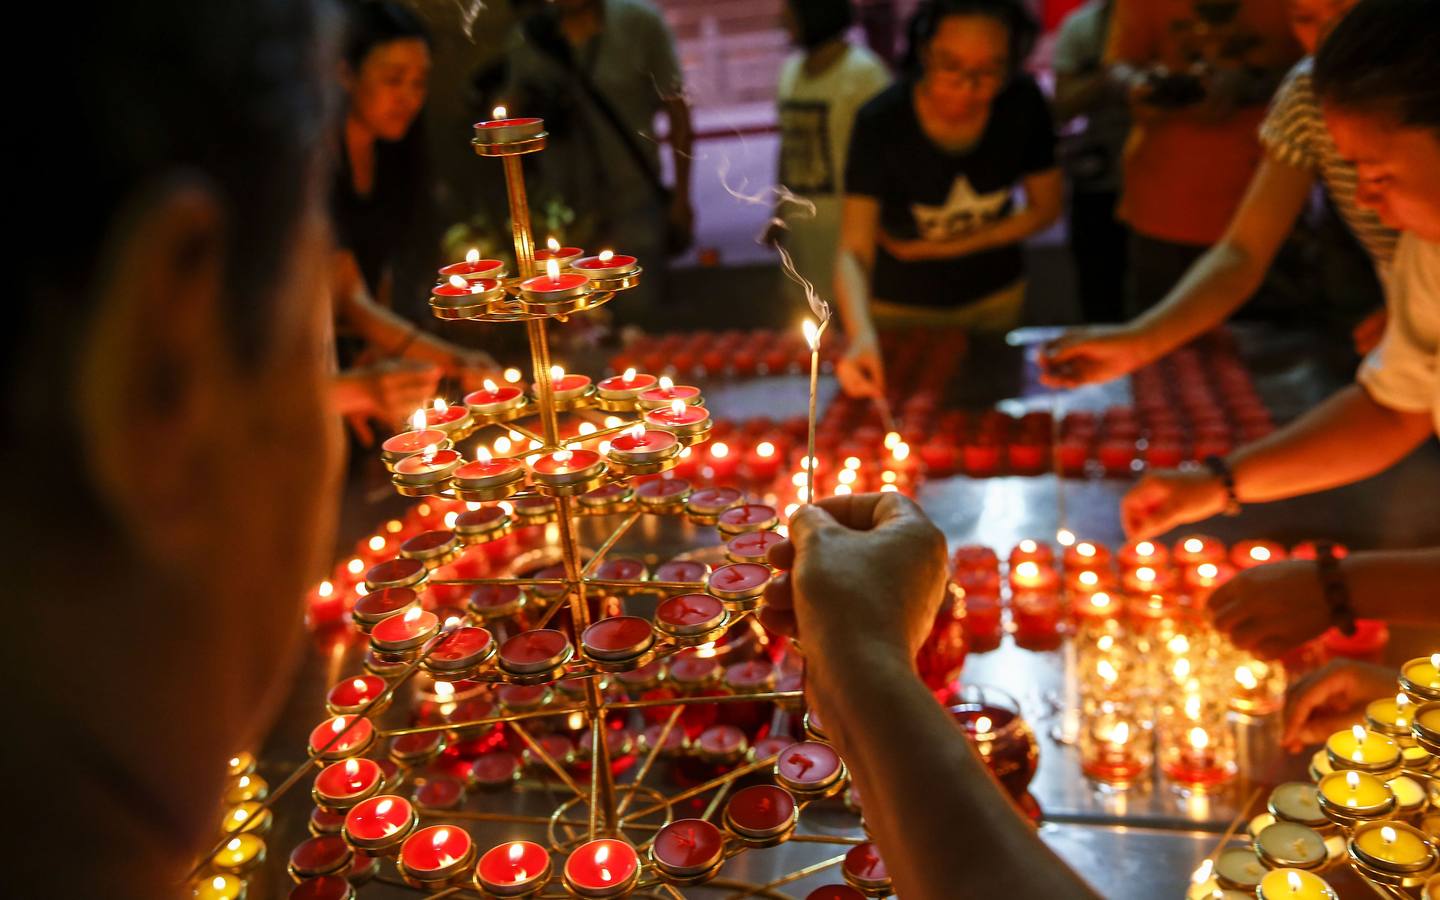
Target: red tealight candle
662,493
565,467
436,853
408,443
486,474
439,792
505,130
1248,554
461,298
691,672
1032,551
640,446
751,676
1143,553
1037,618
397,573
405,631
565,256
351,695
761,812
682,571
496,769
618,638
1198,548
325,887
566,386
752,546
626,387
621,568
1087,555
430,466
679,419
1147,580
1207,576
864,868
414,749
748,517
432,547
340,737
808,766
514,869
380,822
495,400
1030,576
539,650
762,463
607,264
343,784
690,614
739,581
666,393
602,868
461,649
554,286
323,854
473,268
675,742
709,502
687,848
446,418
721,743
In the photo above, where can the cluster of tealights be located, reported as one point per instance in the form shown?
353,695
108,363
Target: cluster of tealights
243,825
1370,806
735,353
1155,685
571,280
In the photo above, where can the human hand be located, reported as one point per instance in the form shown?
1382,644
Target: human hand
399,388
1370,330
473,368
1092,353
1330,699
866,576
1167,498
861,371
1271,609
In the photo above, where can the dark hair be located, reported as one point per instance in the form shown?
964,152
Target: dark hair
235,92
1384,57
821,21
374,22
1013,14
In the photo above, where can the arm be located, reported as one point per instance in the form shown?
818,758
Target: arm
867,575
860,371
1214,287
1044,192
1347,438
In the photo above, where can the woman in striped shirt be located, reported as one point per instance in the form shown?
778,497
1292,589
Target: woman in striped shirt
1298,150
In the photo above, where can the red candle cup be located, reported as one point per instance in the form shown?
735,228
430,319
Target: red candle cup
322,821
495,401
1143,553
626,388
739,583
341,737
622,568
380,823
750,677
618,639
474,268
864,869
835,892
352,694
706,504
484,524
553,288
409,443
514,869
534,652
752,546
488,479
436,854
439,792
663,494
563,256
679,419
1087,555
687,848
1147,580
435,548
1032,551
569,470
809,767
417,749
666,393
761,812
397,573
462,650
721,744
1037,618
325,887
446,418
676,742
1248,554
318,856
494,770
567,387
460,298
602,868
640,446
1205,577
762,463
406,631
682,571
518,697
747,517
692,673
1198,548
504,130
690,614
608,500
607,265
426,468
341,785
1032,577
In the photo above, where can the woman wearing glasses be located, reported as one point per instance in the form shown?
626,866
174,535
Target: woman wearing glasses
931,225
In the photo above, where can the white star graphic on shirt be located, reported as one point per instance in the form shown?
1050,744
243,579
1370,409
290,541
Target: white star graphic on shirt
963,211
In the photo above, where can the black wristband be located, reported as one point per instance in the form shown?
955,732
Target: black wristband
1221,470
1334,589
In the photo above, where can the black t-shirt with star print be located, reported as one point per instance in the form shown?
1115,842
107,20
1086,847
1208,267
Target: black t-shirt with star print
928,192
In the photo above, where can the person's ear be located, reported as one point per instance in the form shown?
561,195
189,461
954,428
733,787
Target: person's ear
154,368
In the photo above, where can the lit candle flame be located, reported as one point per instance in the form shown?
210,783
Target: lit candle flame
552,268
1106,642
377,543
551,243
812,334
440,405
359,684
1027,546
218,883
490,386
444,690
1145,548
1144,574
1085,549
629,375
352,768
901,451
719,450
1192,706
1246,678
413,614
1207,570
846,476
1106,670
325,590
457,282
1027,570
607,255
512,375
677,407
1179,644
765,450
602,854
1387,834
853,463
557,374
499,112
1352,778
1182,669
1260,554
983,725
482,455
666,383
1202,872
1065,537
417,421
1194,545
1120,734
891,439
1089,579
587,429
384,806
1199,738
428,454
637,431
337,724
502,445
561,456
1435,660
472,256
1100,600
1358,732
233,845
1292,880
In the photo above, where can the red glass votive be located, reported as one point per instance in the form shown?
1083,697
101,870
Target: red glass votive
761,812
514,869
1030,576
380,822
1143,553
618,638
535,651
436,853
1198,548
687,848
602,868
1037,617
982,617
808,767
1087,555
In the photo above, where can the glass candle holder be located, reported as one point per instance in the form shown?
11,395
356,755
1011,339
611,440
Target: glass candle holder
1257,688
1115,749
992,721
1196,752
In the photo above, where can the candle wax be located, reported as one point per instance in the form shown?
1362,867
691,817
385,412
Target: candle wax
537,650
513,864
602,865
761,810
618,637
808,763
753,546
1294,884
435,850
688,847
1406,847
378,818
350,778
690,613
687,571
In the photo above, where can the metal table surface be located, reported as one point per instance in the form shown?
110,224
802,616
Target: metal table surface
1139,844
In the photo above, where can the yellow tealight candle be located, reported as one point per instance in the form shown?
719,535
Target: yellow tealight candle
1297,801
1288,844
219,887
1355,791
246,788
1238,868
1409,795
240,764
1294,884
1432,888
1359,748
1393,846
1390,716
240,854
1429,719
1420,678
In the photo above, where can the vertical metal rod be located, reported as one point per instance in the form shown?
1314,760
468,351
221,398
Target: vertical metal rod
810,444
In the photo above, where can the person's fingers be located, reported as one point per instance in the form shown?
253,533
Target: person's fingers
1273,647
1249,633
805,523
779,592
779,621
1319,691
1228,604
782,555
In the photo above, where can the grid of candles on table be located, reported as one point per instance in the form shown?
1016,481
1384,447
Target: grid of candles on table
1372,804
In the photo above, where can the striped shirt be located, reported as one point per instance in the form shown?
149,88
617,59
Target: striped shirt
1294,132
